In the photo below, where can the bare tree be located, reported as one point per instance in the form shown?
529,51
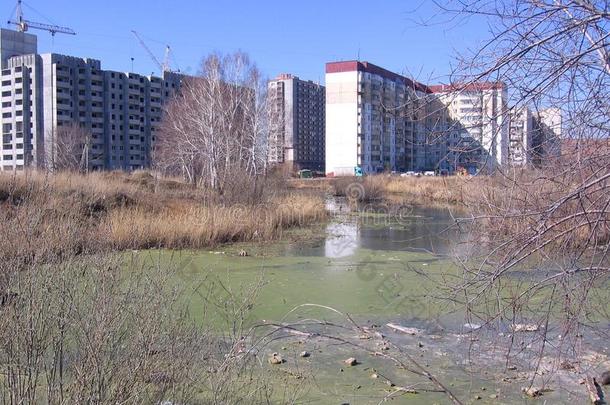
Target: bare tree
213,132
551,226
70,148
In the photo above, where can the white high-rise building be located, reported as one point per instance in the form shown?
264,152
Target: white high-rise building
533,135
377,120
520,136
373,118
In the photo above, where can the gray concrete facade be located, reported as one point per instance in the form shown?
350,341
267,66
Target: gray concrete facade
43,93
296,134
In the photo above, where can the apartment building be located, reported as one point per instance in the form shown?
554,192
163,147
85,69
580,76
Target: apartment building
533,135
41,94
374,118
296,133
381,121
19,98
547,133
520,135
479,114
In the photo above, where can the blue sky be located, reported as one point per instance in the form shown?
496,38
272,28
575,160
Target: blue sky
281,36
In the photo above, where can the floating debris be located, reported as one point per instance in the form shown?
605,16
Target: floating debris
404,329
524,327
351,361
276,359
535,391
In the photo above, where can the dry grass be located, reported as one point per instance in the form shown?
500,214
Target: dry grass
424,190
514,204
407,190
531,208
193,226
46,217
361,189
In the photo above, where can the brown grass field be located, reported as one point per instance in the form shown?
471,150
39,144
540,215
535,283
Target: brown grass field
407,190
44,216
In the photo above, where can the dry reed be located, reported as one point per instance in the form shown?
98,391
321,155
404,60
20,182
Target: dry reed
73,213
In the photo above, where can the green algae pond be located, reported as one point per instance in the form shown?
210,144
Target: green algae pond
369,269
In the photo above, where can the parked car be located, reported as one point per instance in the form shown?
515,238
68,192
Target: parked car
429,173
407,174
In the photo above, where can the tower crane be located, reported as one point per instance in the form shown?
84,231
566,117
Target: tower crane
163,66
23,25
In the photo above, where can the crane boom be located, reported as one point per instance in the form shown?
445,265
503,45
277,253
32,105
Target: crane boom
152,55
23,25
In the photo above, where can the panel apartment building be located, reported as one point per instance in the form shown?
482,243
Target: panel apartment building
381,121
533,135
43,93
296,133
479,115
368,123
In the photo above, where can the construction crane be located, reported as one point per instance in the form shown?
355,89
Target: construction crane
23,25
163,66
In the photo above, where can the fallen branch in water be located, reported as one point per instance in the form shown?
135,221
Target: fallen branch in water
401,361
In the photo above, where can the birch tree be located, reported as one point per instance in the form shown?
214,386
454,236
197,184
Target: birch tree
213,130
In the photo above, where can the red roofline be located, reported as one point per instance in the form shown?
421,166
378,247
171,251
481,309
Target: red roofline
354,65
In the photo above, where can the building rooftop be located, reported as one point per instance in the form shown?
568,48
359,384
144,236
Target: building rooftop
355,65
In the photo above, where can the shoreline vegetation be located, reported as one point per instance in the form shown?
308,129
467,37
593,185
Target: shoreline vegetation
62,287
502,205
48,217
436,191
51,217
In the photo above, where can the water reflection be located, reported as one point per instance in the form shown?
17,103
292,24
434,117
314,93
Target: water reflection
382,228
342,239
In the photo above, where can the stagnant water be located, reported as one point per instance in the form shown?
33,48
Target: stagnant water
379,269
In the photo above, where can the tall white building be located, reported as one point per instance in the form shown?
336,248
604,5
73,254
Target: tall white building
379,121
533,135
520,136
373,118
41,94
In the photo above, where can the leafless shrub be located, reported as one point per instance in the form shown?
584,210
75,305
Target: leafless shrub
85,331
108,329
70,149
